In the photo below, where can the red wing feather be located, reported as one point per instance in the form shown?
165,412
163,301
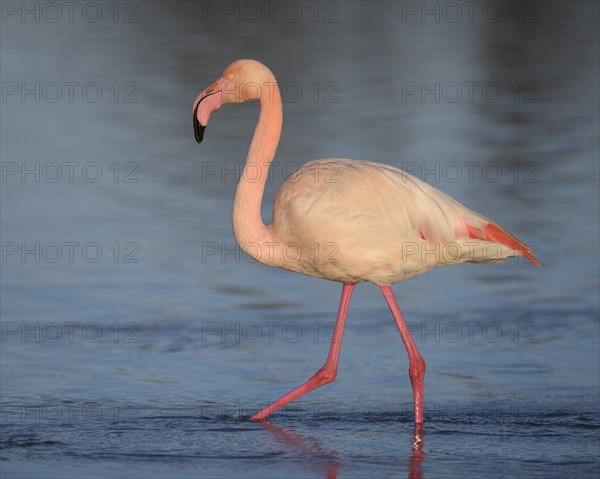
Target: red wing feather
493,232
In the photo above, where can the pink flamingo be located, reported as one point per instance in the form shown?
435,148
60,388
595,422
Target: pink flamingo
345,220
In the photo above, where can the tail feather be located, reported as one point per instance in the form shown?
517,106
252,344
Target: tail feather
493,232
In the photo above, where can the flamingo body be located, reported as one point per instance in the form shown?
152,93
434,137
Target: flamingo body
345,220
353,221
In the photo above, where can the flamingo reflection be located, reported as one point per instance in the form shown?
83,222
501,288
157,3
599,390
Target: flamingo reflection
306,447
415,471
328,461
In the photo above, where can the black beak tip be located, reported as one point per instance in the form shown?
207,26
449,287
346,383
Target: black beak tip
198,130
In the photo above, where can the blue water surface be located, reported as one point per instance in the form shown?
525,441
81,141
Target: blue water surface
137,340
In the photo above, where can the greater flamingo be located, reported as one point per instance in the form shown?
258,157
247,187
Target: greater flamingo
345,220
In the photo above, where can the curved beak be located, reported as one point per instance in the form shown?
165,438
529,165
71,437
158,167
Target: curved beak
198,128
207,102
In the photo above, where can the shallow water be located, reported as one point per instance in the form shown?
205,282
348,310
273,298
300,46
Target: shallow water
136,340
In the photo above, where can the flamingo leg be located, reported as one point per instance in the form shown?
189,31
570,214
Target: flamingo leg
416,368
328,372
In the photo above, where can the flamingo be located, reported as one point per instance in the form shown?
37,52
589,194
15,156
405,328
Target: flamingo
348,221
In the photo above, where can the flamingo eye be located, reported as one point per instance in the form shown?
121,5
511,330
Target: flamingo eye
230,76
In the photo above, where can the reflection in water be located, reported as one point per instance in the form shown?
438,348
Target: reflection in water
415,470
328,460
308,448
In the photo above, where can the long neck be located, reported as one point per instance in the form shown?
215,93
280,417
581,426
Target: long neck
248,226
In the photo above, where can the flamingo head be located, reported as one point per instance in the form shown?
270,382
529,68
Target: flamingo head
243,80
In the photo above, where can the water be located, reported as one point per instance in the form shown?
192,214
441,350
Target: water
148,360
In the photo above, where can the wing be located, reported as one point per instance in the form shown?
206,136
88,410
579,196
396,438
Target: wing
387,225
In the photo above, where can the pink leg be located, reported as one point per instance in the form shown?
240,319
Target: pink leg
416,368
328,372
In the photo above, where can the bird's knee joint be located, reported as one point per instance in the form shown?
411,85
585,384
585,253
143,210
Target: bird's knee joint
326,375
417,370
